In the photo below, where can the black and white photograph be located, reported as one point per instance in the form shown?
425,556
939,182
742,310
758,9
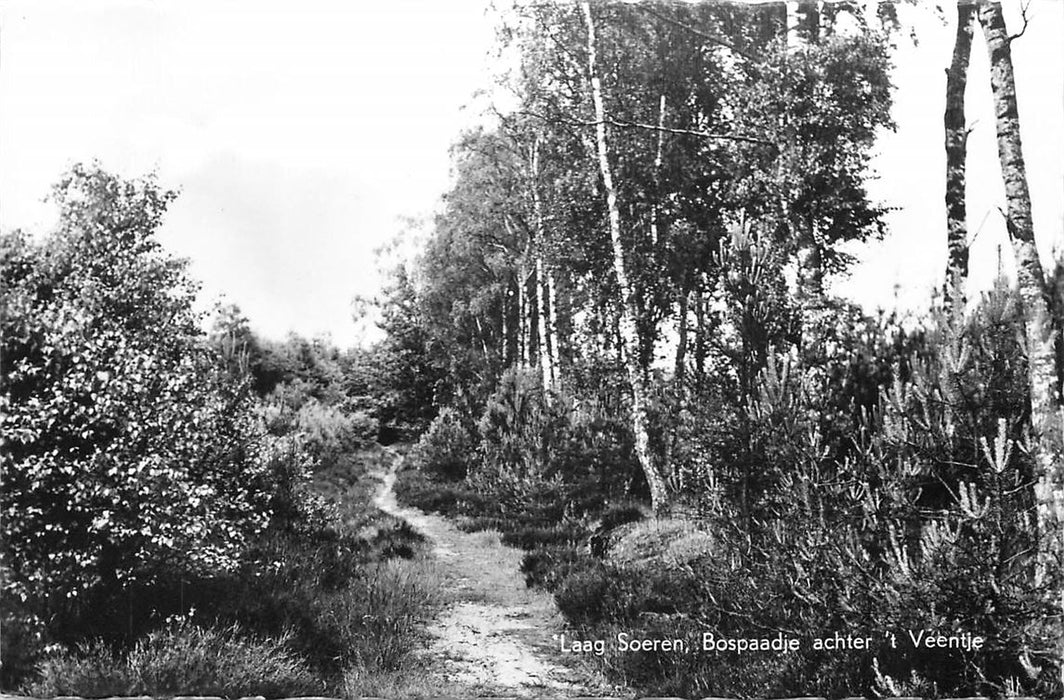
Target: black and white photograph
532,349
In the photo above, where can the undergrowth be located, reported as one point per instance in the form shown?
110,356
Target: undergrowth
316,604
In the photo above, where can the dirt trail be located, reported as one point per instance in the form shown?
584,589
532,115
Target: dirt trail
496,635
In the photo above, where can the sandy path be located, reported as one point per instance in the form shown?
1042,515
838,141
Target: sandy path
495,636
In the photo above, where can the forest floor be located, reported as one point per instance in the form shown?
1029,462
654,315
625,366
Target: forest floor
495,636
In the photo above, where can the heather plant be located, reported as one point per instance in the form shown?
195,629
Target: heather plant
178,656
378,615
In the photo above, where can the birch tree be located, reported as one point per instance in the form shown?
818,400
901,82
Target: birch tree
544,326
1041,336
629,336
956,152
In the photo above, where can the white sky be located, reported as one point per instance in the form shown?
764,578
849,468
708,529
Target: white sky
299,133
912,161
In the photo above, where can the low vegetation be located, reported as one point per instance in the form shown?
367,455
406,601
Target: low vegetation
184,513
863,523
180,655
618,351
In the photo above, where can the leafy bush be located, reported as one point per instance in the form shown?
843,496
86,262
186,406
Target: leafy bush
447,447
329,432
111,397
180,658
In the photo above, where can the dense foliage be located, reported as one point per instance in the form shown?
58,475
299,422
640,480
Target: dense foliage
618,349
828,471
151,470
126,455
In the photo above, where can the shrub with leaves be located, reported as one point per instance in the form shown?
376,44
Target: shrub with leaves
128,455
328,432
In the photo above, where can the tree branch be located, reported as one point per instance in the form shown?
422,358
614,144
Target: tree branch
625,124
697,32
1026,21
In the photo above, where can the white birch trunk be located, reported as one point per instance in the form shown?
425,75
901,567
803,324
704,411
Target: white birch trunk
522,315
542,320
1046,415
956,153
542,323
1041,352
657,171
505,327
552,327
626,322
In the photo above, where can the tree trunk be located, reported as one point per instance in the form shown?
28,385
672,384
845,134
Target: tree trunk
627,324
810,19
483,339
1055,286
657,172
956,152
681,343
542,330
552,328
542,320
810,271
1038,322
803,29
679,392
803,20
506,340
521,338
522,315
700,338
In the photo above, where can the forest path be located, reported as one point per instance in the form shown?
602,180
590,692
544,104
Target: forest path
494,636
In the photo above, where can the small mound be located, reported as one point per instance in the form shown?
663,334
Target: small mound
667,541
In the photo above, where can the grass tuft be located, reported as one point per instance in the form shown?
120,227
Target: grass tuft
181,657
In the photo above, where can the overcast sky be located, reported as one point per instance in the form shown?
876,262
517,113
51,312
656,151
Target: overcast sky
299,134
